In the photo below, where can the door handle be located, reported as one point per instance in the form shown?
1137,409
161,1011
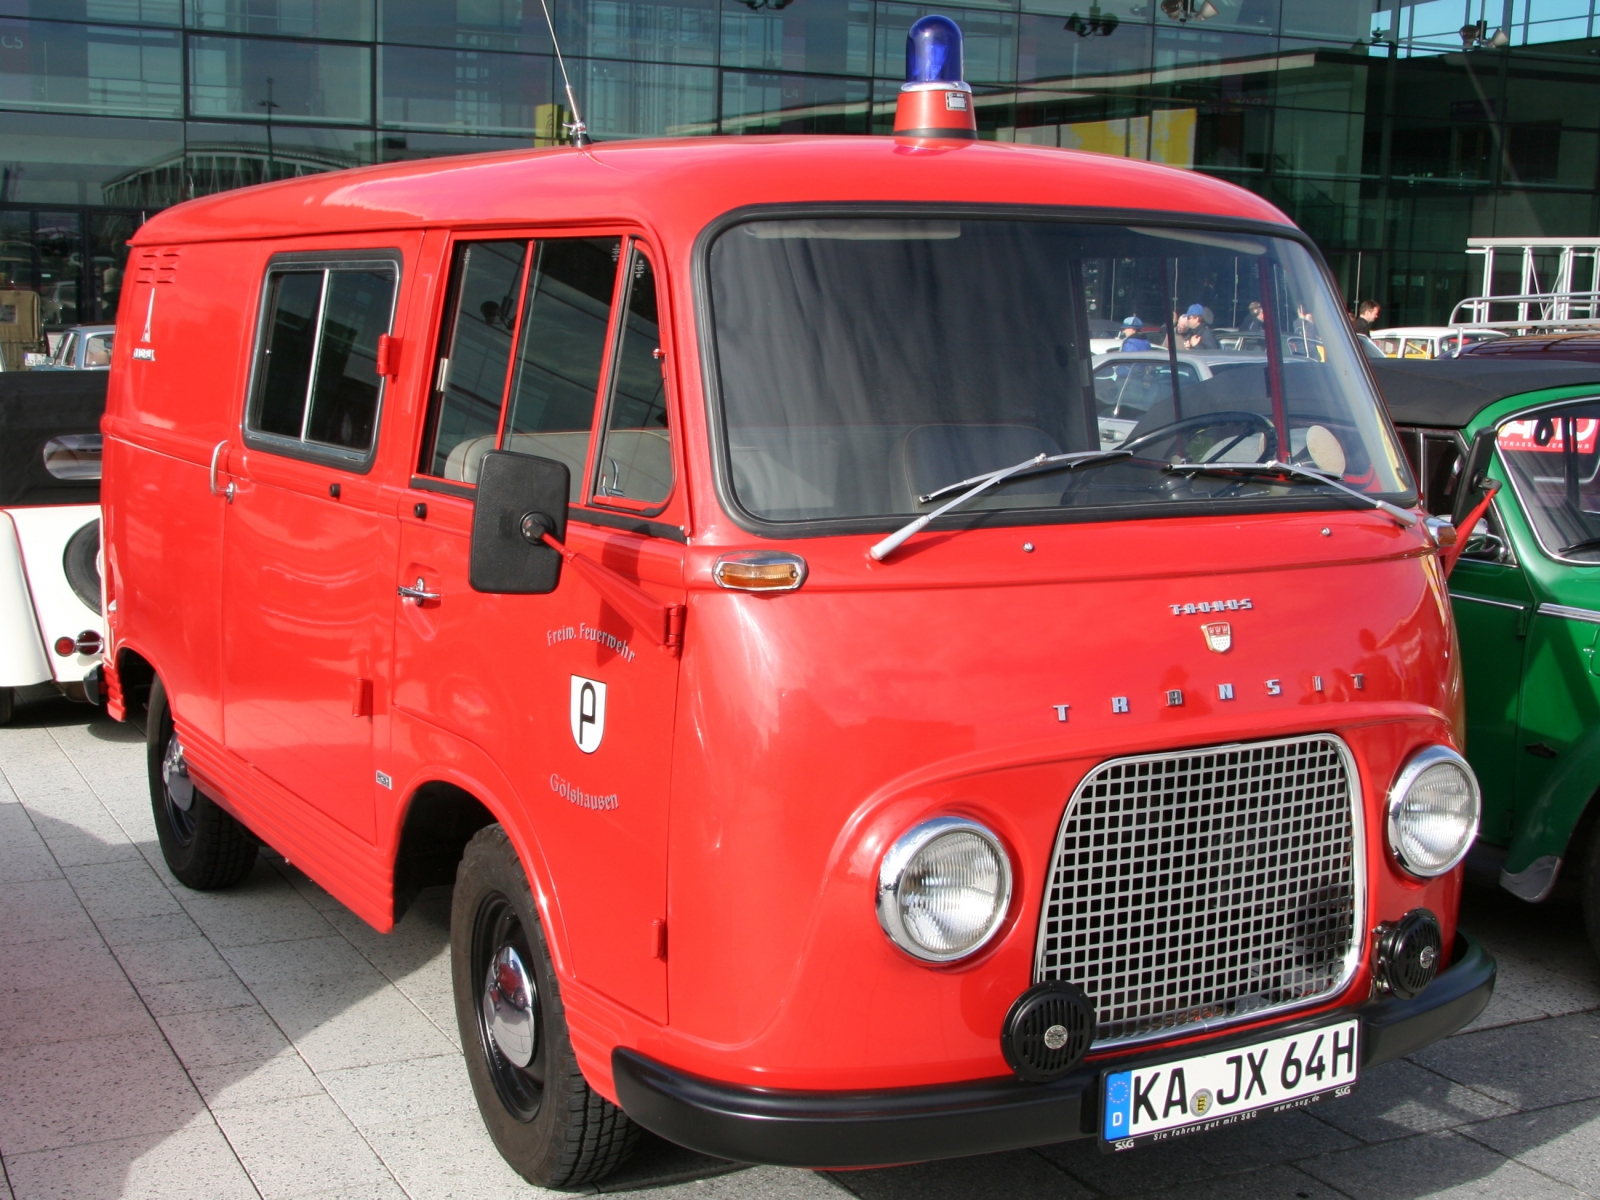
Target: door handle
215,455
419,593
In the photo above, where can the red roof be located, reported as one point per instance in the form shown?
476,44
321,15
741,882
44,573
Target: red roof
686,182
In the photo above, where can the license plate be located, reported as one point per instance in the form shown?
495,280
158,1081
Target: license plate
1189,1095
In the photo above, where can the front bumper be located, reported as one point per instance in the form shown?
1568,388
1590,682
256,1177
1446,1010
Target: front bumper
860,1129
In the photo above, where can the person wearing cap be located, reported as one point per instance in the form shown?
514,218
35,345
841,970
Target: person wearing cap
1195,333
1132,339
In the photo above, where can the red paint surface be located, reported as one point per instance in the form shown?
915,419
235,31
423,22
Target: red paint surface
760,775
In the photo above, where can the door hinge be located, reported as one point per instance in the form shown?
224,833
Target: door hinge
675,617
362,706
658,939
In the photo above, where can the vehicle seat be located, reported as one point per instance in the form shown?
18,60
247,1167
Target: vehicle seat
466,460
934,456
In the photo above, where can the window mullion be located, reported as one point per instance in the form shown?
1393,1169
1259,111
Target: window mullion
316,354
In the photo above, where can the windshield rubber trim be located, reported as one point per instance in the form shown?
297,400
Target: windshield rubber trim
711,379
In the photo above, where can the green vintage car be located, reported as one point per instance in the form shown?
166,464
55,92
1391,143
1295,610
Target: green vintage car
1526,594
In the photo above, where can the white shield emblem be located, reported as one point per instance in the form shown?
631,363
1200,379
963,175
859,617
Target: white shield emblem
1219,635
588,713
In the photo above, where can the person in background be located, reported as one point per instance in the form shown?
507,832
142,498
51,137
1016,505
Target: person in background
1306,324
1367,316
1257,321
1193,332
1132,339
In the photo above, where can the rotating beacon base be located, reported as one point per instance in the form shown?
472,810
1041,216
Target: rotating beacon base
935,102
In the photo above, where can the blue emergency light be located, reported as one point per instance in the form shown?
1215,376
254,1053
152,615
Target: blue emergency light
933,51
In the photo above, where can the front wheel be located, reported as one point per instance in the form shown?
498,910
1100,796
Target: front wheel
204,846
1590,885
545,1119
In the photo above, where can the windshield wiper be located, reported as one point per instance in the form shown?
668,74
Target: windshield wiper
1580,547
982,483
1301,474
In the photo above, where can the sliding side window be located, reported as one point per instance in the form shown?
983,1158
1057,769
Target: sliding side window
560,350
635,461
317,391
521,353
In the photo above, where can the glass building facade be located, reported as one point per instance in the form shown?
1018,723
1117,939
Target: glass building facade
1392,132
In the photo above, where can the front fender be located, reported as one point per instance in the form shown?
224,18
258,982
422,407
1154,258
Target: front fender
22,655
1546,825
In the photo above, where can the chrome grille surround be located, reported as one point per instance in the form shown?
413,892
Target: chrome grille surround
1195,889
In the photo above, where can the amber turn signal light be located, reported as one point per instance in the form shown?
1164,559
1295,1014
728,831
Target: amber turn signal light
760,571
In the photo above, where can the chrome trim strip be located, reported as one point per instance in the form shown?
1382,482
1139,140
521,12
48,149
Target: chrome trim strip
1485,600
1355,952
1572,614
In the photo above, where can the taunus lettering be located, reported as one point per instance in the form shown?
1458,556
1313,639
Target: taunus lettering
1210,606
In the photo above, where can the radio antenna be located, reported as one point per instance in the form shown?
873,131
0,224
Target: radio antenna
580,131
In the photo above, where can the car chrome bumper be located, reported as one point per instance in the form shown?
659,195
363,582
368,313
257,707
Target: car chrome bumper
872,1128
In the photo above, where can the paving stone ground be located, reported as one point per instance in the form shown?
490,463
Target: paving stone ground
162,1043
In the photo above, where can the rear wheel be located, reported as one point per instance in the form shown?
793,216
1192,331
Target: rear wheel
8,703
545,1119
205,847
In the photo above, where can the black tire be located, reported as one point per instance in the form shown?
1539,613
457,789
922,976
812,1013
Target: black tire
545,1119
205,847
1589,883
8,704
81,563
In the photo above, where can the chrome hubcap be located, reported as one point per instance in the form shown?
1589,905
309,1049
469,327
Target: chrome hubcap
510,1007
175,772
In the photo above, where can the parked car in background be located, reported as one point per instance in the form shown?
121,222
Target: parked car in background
82,348
1526,595
51,627
1126,385
1582,347
1429,341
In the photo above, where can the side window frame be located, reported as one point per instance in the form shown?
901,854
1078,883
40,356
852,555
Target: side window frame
633,245
324,454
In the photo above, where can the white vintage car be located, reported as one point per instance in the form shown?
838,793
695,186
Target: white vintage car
51,626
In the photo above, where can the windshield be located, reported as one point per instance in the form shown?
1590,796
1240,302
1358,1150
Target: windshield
865,363
1553,458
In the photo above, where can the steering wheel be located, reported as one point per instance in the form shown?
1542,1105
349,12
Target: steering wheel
1259,423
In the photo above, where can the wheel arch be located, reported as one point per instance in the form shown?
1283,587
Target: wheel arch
1565,811
441,815
135,675
440,819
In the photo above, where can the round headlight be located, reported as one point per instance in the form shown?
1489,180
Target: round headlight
943,889
1433,811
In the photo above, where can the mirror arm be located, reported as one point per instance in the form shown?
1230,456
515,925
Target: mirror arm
1451,555
663,623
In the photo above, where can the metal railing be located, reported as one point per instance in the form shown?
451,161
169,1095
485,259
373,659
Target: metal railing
1535,312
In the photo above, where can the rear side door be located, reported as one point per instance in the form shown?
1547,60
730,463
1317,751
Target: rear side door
310,537
552,346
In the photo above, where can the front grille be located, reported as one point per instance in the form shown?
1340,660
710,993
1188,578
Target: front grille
1200,888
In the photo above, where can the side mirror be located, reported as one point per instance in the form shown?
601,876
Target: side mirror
1475,486
520,499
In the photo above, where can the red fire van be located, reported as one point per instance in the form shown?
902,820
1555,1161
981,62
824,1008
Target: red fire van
561,524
